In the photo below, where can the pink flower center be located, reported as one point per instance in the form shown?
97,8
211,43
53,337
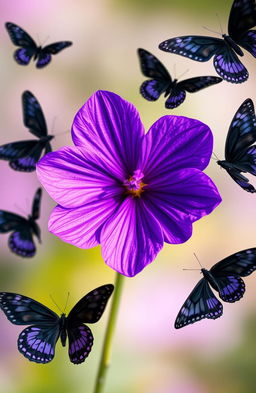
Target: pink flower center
134,184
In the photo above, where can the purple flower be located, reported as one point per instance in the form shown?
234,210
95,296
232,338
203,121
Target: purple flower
127,190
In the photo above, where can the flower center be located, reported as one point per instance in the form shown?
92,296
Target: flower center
134,184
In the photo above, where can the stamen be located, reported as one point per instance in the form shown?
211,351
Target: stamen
134,184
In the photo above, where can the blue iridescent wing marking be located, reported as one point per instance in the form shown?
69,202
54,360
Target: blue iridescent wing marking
37,343
44,56
21,242
201,303
192,85
152,68
21,38
199,48
176,98
241,180
23,55
22,310
248,41
242,264
242,18
231,288
229,67
27,163
90,308
80,343
33,116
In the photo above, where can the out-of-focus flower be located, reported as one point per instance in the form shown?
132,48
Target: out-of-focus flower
127,190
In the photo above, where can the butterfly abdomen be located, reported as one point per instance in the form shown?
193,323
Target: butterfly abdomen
63,329
209,277
232,44
37,53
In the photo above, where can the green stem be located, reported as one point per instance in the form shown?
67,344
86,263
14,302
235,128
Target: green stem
106,350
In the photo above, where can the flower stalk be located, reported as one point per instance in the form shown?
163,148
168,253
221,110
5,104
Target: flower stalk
108,340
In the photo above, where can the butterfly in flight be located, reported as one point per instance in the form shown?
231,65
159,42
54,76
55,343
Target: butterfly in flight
24,155
37,342
240,153
225,278
22,229
226,62
29,49
161,82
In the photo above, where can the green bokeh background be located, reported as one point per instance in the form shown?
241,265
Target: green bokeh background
149,355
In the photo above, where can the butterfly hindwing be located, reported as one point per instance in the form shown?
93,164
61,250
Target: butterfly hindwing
90,308
229,67
176,98
230,288
80,343
21,242
201,303
242,17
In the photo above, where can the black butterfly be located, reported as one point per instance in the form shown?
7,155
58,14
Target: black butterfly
161,81
240,154
225,278
29,48
227,64
37,342
24,155
21,239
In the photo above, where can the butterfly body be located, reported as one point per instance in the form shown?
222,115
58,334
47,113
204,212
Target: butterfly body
240,152
225,278
37,341
29,50
161,82
224,51
22,229
24,155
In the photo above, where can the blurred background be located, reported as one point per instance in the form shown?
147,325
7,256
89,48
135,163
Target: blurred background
149,355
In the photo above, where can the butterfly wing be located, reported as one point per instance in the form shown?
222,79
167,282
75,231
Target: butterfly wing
10,221
241,180
176,98
152,68
201,303
33,116
27,163
44,56
80,343
242,132
229,67
90,308
199,48
20,37
192,85
242,18
37,342
36,204
21,242
227,274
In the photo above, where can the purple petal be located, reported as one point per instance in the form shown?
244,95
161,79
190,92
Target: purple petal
131,238
79,226
175,142
112,127
178,199
74,177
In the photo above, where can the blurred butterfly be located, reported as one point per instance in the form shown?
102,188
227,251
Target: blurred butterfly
22,229
161,82
29,48
37,342
226,62
240,154
24,155
225,278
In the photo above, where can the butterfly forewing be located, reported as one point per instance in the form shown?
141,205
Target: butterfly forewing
201,303
33,116
91,307
192,85
20,37
10,221
242,263
22,310
242,17
36,204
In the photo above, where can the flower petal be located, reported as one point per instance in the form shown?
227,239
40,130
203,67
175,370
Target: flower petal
111,126
80,226
179,199
74,177
131,238
175,142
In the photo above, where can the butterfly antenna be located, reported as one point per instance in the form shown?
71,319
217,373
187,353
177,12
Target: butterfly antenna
56,304
62,133
212,31
221,29
216,157
185,72
38,39
66,302
53,124
191,269
197,260
20,209
174,71
47,38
